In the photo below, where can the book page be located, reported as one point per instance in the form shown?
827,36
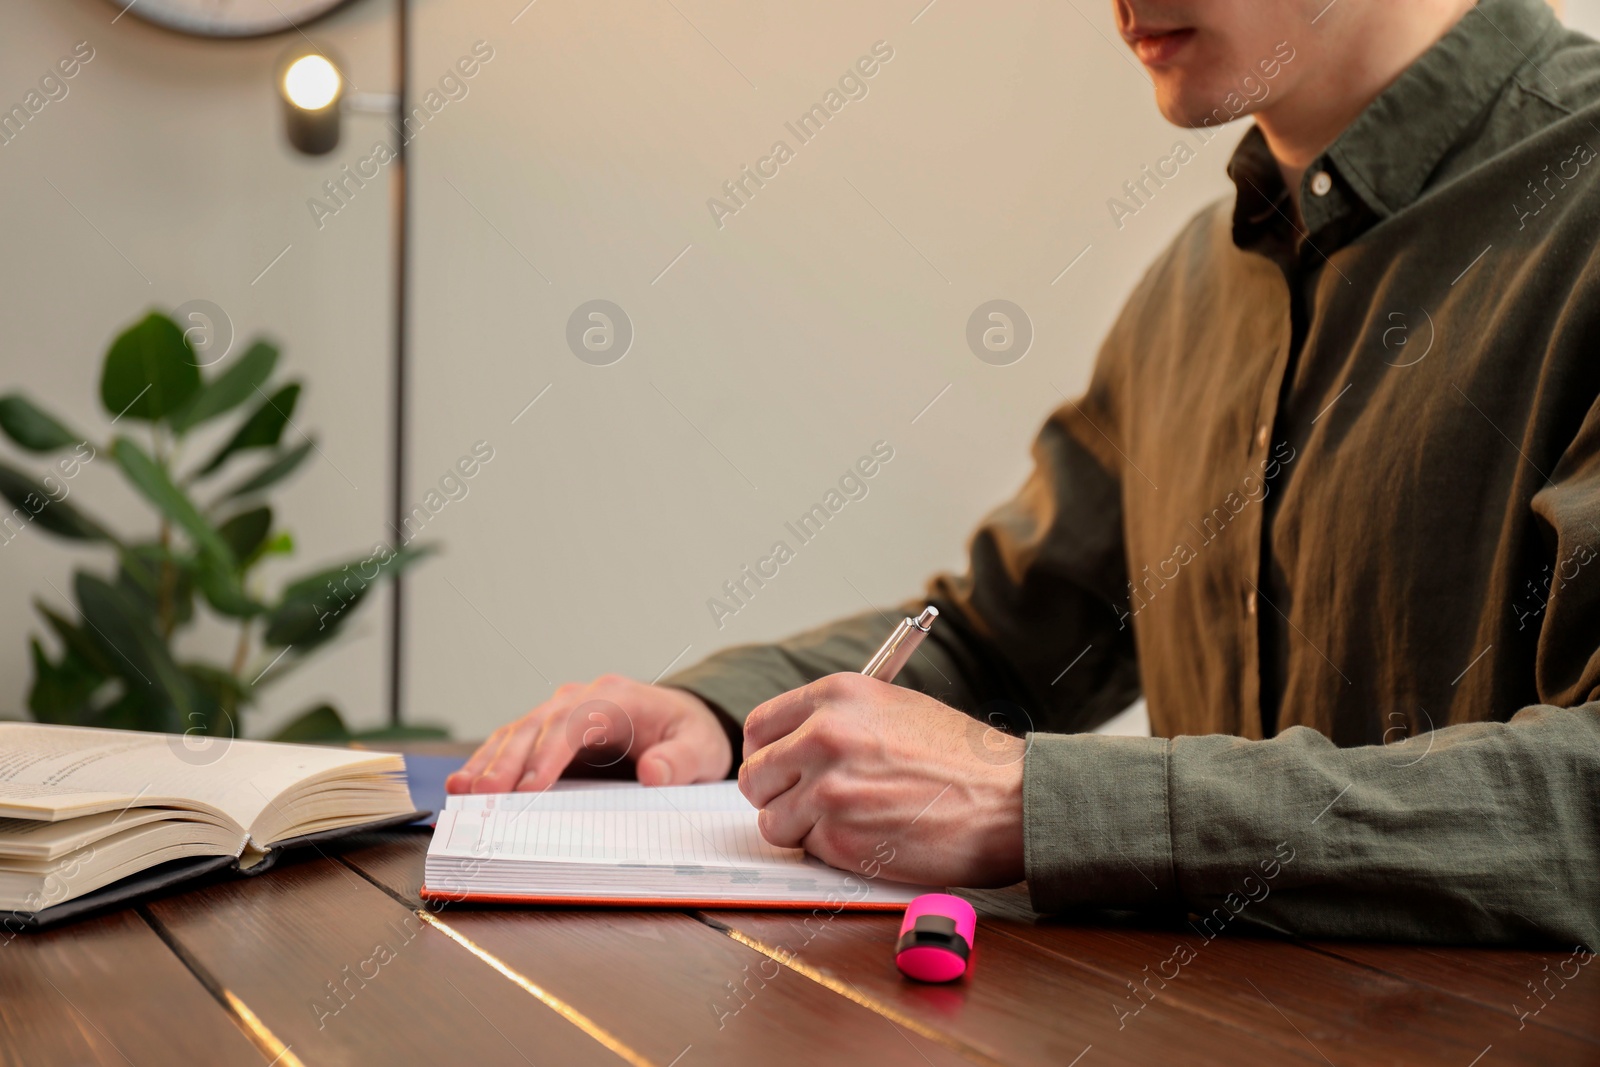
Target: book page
56,772
36,839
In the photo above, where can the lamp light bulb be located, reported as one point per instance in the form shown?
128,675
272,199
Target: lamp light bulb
311,83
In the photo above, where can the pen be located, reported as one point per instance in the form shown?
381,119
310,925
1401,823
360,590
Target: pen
887,661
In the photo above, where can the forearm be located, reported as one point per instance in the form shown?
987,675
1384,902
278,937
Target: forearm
1487,832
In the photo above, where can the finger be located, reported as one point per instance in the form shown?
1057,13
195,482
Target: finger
504,765
489,753
499,741
783,714
460,781
788,820
683,755
770,773
508,762
549,754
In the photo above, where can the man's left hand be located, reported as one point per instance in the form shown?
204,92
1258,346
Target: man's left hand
873,778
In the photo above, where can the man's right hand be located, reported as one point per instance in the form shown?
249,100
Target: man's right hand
672,736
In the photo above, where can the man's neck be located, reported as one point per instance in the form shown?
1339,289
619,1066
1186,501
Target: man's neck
1361,55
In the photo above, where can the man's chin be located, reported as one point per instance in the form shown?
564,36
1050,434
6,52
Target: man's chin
1191,106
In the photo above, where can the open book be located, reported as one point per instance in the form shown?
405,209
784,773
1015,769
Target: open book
625,844
83,808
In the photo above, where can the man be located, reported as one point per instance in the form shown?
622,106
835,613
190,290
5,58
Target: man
1331,502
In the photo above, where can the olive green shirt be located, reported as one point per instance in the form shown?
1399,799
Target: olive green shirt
1335,483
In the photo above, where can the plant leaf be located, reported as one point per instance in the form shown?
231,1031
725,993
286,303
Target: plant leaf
230,388
148,477
312,610
133,711
61,692
275,471
217,683
219,691
75,640
149,370
224,593
279,544
126,632
316,583
321,723
272,666
140,573
32,427
261,430
245,532
57,516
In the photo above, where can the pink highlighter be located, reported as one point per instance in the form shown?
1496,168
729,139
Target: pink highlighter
936,938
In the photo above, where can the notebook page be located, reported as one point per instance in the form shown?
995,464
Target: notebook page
660,836
581,795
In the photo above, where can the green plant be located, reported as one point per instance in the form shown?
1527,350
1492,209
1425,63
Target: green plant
117,665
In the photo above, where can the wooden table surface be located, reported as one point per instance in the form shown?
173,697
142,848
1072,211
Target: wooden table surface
332,959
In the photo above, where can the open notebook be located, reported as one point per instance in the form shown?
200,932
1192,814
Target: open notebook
624,844
82,809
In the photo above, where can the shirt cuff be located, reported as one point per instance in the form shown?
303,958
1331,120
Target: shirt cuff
727,692
1095,824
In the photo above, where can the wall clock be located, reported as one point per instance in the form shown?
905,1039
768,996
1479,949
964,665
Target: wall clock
229,18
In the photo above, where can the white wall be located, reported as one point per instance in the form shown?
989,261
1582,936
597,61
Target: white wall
1581,15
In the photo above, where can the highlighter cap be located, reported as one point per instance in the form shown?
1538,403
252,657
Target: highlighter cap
936,938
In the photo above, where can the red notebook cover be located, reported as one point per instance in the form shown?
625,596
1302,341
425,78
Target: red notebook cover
661,902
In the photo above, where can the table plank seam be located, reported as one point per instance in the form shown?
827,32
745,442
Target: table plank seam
273,1050
1280,1040
848,991
571,1014
566,1011
1421,983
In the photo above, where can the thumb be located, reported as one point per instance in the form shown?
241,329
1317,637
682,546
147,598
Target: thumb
674,760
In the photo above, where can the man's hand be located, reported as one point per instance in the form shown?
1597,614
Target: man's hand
874,778
672,736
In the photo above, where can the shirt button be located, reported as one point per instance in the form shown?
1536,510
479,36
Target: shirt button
1321,183
1250,602
1261,435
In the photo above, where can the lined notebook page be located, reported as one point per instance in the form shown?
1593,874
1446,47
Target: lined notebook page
581,795
709,825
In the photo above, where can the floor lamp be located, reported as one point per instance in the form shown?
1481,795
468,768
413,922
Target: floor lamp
312,85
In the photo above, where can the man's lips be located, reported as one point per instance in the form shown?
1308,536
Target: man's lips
1157,48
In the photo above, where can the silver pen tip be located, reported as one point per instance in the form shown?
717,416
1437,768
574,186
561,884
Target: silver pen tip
925,620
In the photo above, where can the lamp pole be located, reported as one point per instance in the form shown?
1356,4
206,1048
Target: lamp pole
312,87
402,279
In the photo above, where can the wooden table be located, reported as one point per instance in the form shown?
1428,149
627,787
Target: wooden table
332,959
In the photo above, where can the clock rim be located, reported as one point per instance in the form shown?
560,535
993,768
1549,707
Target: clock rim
144,15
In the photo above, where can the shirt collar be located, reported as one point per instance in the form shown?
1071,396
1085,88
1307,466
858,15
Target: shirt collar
1383,159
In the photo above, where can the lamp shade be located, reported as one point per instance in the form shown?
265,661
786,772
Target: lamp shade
311,84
